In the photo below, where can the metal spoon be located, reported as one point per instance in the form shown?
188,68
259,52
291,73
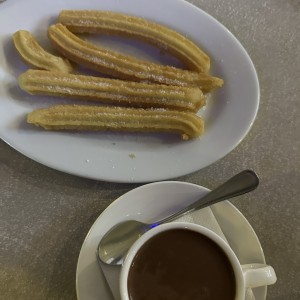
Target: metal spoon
116,242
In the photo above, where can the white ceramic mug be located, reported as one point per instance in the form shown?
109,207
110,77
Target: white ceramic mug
247,276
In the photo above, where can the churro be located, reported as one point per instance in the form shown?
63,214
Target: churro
107,22
117,92
98,118
33,54
123,66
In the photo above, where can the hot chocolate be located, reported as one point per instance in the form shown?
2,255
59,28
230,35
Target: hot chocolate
181,264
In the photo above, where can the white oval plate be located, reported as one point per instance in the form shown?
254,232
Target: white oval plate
152,202
129,157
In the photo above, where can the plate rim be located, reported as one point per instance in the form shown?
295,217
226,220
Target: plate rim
145,177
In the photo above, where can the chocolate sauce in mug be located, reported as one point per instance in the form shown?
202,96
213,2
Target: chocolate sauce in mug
181,264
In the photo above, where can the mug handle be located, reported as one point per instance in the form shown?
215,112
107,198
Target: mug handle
256,275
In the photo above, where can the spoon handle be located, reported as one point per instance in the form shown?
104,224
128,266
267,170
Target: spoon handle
239,184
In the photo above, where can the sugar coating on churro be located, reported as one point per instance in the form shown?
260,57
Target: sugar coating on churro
33,54
113,91
125,66
107,22
97,118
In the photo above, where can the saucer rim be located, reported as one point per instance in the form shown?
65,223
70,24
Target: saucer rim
121,199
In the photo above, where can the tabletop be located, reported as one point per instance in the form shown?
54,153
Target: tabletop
45,214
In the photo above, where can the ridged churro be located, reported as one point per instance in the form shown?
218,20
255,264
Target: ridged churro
107,22
33,54
117,92
97,118
123,66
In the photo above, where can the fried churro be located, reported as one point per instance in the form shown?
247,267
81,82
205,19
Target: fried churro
33,54
107,22
97,118
117,92
123,66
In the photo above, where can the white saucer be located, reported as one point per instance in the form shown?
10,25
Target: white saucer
154,201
